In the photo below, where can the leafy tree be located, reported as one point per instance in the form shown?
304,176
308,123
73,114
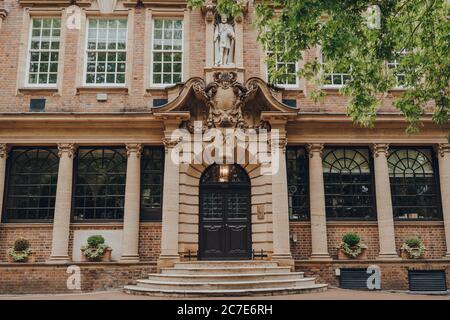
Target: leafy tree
415,33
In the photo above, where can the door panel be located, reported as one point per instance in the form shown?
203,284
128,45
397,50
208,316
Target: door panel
225,222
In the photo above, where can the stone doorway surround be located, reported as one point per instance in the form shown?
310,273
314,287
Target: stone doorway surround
222,104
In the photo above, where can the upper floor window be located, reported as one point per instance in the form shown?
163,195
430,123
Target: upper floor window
100,183
297,175
44,51
414,185
349,191
31,184
335,76
167,52
106,53
284,72
152,183
398,72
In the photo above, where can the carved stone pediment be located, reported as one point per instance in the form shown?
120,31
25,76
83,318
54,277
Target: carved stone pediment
226,103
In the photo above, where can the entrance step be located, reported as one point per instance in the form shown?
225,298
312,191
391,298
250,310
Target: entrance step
223,269
224,278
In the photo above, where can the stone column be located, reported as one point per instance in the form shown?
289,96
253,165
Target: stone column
444,178
280,207
3,157
130,236
384,203
171,206
61,220
317,203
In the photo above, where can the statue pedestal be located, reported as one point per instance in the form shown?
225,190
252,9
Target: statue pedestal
210,71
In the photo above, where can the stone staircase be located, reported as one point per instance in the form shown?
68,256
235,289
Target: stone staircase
225,278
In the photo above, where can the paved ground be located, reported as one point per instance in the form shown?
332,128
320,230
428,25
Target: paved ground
331,294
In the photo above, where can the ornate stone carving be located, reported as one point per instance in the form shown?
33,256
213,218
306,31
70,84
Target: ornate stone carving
134,148
171,143
224,42
68,148
224,98
4,150
378,148
279,143
315,148
443,148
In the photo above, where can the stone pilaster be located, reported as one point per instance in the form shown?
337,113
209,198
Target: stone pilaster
130,236
61,220
384,203
280,207
317,203
3,157
444,178
171,206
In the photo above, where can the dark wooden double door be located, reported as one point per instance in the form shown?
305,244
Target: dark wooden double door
225,222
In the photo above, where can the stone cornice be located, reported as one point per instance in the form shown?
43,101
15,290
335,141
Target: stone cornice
54,3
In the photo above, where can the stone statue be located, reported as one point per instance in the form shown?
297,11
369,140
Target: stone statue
224,42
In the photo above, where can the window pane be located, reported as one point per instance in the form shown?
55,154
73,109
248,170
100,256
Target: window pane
107,43
31,188
43,47
414,188
167,47
152,178
100,183
298,193
349,190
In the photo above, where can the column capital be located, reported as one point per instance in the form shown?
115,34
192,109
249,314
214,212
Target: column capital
171,143
4,148
134,148
443,148
315,148
68,148
278,143
378,148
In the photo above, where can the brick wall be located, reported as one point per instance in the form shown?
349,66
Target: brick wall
42,278
150,241
431,233
39,236
394,275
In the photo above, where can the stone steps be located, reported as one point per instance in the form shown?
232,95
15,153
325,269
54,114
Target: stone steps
221,277
224,278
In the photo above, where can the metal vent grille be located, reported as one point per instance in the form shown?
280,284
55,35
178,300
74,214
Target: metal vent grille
354,279
427,280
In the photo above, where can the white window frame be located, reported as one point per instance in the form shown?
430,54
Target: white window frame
396,64
152,50
331,86
106,85
27,83
281,85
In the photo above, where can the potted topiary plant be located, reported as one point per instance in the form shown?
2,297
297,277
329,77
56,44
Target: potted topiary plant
351,247
96,250
21,251
413,248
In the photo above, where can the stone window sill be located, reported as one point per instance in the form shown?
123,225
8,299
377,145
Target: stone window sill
39,90
123,90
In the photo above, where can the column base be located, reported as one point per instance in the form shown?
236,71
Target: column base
129,258
167,261
58,259
389,256
321,257
284,260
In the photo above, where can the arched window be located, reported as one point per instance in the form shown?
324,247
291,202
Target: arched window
414,185
349,191
152,183
100,183
297,176
31,184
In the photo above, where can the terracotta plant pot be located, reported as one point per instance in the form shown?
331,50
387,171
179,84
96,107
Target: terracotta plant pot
30,259
343,256
106,256
404,255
